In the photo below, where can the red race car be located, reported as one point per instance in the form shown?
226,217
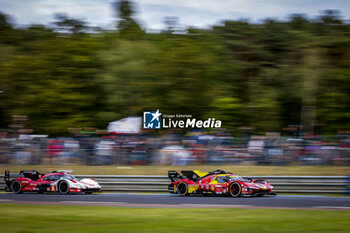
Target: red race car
216,182
56,181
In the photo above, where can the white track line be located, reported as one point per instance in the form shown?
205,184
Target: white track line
332,207
94,202
216,205
6,200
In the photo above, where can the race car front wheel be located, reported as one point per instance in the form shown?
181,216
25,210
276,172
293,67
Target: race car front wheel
235,189
182,189
16,186
63,187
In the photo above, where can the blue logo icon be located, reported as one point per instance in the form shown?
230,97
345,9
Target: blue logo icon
151,120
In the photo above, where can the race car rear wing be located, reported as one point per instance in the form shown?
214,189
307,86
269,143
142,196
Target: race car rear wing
31,174
174,176
191,175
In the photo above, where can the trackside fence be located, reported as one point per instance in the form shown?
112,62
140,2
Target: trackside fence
282,184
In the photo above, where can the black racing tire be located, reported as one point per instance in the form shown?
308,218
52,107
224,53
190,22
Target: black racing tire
235,189
182,189
16,187
260,195
63,187
88,192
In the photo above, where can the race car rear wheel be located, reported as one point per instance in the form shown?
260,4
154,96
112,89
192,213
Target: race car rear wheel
16,186
63,187
182,189
235,189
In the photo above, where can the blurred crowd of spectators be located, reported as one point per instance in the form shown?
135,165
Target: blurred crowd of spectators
175,149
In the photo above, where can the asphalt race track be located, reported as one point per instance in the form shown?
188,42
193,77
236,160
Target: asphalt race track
172,200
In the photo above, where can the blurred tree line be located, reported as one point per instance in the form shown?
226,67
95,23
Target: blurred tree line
268,75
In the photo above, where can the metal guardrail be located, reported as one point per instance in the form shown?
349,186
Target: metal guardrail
282,184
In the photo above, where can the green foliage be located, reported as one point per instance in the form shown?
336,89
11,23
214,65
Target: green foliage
257,75
127,26
229,110
54,86
67,25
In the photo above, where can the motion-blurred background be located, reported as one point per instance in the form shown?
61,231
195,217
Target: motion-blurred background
280,86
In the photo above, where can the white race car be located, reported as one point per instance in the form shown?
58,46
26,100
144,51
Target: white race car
66,183
56,181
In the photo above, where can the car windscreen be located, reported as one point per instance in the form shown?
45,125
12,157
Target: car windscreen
236,178
70,177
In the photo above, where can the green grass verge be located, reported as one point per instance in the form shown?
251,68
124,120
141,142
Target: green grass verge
163,170
41,218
